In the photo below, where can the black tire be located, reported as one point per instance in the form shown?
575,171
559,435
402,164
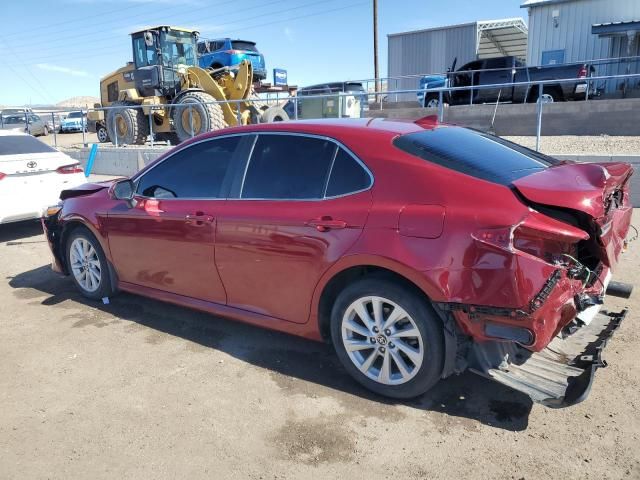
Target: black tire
102,134
425,319
432,100
274,114
204,116
105,287
128,125
45,131
550,95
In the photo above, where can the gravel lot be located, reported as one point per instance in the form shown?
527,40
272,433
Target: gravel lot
142,389
576,145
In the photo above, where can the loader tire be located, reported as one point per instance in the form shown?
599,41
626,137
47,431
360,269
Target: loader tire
274,114
195,114
128,125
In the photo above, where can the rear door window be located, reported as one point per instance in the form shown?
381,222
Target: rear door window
474,153
347,176
197,171
288,167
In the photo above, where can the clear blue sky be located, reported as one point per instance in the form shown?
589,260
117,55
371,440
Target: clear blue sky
55,49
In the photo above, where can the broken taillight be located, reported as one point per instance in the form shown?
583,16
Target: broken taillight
73,168
582,73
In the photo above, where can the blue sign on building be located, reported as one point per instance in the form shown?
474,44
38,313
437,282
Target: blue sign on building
280,77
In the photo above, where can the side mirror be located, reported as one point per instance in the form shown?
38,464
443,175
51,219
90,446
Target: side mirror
123,190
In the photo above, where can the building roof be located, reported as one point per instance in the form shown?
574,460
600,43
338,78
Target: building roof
506,37
613,28
495,38
538,3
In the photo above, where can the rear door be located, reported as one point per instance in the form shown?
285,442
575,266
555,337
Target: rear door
166,241
301,204
497,71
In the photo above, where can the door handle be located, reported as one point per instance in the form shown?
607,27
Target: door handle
198,219
324,224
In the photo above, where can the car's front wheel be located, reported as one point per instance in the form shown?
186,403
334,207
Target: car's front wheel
87,264
388,337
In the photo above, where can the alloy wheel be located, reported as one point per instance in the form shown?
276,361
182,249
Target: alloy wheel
85,264
382,340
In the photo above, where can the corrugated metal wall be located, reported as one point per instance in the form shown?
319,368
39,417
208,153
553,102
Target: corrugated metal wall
428,51
573,33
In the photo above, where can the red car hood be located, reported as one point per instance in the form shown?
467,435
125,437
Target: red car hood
85,189
598,189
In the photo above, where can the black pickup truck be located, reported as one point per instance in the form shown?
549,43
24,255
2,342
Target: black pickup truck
507,70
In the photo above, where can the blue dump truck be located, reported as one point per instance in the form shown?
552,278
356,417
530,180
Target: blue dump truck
225,52
507,70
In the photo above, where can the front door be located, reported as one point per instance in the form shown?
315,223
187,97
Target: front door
166,241
302,204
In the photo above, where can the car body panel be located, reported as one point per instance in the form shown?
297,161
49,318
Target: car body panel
478,251
158,247
259,254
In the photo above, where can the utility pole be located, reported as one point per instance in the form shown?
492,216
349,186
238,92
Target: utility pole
376,73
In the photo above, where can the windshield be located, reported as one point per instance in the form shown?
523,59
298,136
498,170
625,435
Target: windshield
14,119
474,153
75,115
11,111
19,144
178,48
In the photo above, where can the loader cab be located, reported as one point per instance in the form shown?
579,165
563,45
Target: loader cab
160,55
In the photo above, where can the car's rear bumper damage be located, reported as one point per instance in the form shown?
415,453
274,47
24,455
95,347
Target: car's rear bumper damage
559,375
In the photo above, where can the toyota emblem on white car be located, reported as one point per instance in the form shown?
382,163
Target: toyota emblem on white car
32,164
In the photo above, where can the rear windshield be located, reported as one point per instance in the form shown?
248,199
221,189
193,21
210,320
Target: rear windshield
18,144
353,87
474,153
242,45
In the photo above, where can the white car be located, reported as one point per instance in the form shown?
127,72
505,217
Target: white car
32,175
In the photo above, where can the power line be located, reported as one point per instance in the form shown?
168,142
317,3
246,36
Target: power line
82,19
51,45
109,52
46,95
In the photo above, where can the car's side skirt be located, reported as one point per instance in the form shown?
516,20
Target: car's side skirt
308,330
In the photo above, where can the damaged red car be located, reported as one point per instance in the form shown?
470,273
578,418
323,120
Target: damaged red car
418,249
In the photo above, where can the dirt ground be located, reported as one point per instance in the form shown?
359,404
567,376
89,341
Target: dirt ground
141,389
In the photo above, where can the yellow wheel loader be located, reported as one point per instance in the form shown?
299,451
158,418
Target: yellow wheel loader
164,89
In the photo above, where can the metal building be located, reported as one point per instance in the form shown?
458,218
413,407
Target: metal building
433,50
563,31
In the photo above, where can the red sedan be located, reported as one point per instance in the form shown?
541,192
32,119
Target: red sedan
419,250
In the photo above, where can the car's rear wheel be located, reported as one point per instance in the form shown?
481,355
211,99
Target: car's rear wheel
103,135
88,265
432,100
388,337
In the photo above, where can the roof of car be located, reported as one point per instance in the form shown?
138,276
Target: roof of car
337,127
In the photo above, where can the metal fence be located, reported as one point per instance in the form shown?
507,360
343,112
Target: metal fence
336,105
604,67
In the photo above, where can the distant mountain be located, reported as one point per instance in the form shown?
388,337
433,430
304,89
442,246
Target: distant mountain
78,102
